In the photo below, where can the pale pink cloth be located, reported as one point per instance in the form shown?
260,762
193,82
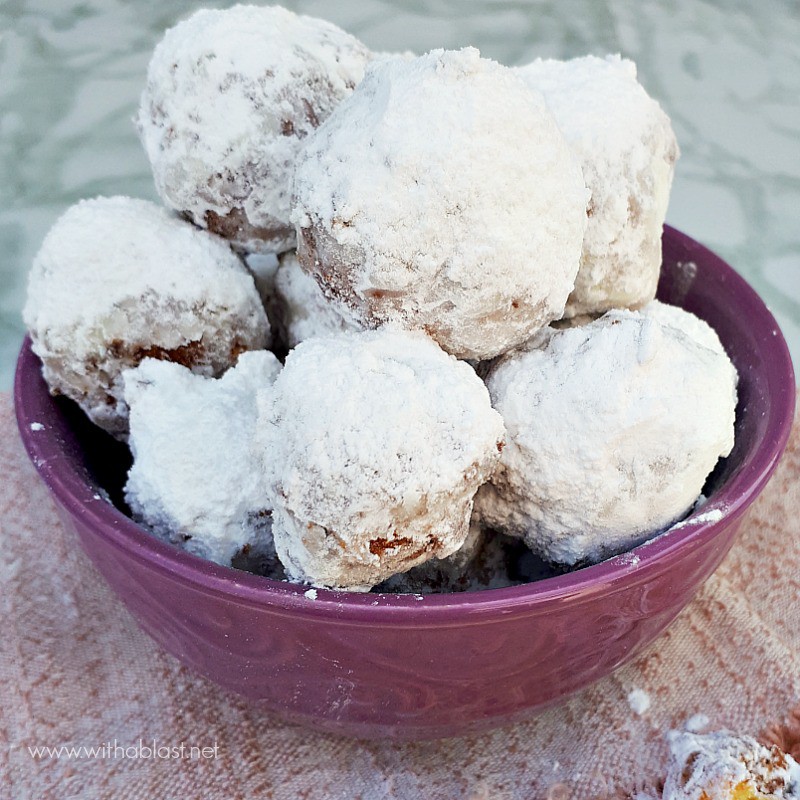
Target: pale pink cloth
75,670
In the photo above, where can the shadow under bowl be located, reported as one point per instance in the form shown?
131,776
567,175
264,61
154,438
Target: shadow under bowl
406,666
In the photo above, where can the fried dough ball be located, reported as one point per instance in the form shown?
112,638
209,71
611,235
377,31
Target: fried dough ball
613,428
118,280
374,445
722,766
627,150
196,475
230,96
441,196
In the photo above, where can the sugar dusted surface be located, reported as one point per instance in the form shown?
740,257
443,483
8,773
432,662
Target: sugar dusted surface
230,96
690,324
300,310
263,267
467,223
374,445
627,151
137,279
613,428
196,477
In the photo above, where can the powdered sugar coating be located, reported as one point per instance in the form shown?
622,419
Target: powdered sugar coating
230,96
690,324
300,310
117,280
723,766
441,196
627,150
196,476
375,443
263,267
613,428
673,316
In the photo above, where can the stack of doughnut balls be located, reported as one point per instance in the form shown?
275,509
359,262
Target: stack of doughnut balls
458,261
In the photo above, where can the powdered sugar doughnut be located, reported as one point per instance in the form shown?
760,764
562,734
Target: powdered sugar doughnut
299,310
196,479
722,765
441,196
118,280
627,150
613,428
375,443
230,96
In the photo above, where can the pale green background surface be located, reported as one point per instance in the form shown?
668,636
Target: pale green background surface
727,72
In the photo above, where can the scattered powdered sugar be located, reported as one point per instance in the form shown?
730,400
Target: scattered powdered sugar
311,594
467,223
36,426
613,428
723,765
683,278
696,723
639,701
140,281
230,96
196,477
627,150
374,445
712,515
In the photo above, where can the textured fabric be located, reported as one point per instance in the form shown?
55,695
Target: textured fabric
75,670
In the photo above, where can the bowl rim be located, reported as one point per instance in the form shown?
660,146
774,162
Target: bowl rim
638,565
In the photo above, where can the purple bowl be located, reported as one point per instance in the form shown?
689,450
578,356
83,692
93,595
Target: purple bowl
407,666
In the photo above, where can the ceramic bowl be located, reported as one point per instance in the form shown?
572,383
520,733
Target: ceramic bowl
411,666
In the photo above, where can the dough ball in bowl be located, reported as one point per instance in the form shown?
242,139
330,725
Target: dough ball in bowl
118,280
627,150
375,444
441,196
196,476
230,96
613,428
